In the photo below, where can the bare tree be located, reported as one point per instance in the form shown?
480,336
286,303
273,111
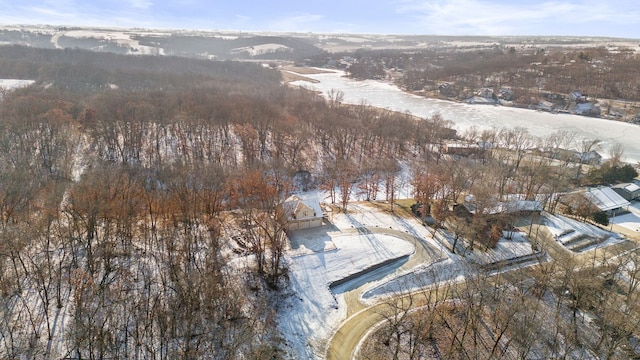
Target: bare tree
584,148
616,153
391,169
346,177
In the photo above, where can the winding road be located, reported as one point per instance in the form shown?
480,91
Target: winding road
361,319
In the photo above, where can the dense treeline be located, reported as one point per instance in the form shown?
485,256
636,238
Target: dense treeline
598,72
81,70
142,219
118,204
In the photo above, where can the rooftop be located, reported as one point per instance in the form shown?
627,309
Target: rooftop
605,198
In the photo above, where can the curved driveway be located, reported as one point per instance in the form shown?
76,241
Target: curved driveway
361,318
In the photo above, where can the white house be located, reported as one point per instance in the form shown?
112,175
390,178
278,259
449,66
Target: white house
301,214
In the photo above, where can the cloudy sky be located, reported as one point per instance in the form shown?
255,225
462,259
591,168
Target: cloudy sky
617,18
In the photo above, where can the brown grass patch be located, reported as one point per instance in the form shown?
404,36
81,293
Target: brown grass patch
304,70
294,73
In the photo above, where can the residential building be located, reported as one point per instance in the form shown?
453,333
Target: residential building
629,191
607,200
301,214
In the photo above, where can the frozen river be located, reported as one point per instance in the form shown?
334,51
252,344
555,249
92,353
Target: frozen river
384,95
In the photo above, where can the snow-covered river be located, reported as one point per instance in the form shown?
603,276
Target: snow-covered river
384,95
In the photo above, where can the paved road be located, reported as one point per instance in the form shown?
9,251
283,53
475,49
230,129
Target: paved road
354,329
361,319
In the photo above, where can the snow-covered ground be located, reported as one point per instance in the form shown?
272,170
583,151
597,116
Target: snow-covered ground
387,96
630,221
512,245
350,244
10,84
319,258
567,231
122,38
454,268
261,49
424,275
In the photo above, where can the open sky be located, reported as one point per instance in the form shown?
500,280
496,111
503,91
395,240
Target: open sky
616,18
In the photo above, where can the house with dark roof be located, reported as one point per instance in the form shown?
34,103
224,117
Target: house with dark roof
578,97
629,191
591,157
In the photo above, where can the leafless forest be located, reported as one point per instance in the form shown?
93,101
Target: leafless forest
532,73
125,179
121,179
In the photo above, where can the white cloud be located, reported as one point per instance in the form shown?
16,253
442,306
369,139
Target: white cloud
140,4
468,16
296,23
482,17
49,12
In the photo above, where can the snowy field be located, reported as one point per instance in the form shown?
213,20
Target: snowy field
10,84
630,221
121,38
568,231
350,254
512,245
319,258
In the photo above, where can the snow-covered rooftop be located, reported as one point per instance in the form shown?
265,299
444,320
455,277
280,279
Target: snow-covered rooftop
310,199
605,198
294,204
630,187
503,207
